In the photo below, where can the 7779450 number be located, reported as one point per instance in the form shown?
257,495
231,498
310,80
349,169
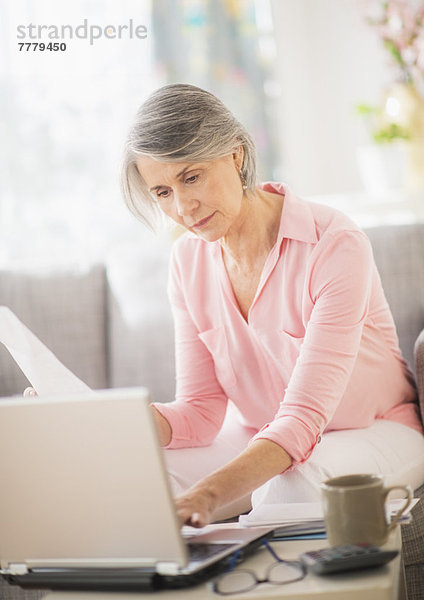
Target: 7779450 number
52,46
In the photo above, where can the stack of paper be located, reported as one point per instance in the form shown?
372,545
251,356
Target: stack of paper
304,517
290,519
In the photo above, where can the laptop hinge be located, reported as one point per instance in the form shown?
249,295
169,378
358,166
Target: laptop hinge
167,568
15,569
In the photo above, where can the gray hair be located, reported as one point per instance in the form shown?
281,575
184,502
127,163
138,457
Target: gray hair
181,123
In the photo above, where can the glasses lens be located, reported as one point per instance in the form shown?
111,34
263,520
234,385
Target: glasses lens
235,582
285,572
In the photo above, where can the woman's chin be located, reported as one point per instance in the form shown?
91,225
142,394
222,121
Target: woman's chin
207,236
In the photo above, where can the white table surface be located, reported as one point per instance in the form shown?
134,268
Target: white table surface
376,584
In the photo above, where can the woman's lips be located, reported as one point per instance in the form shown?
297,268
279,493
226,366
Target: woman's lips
203,222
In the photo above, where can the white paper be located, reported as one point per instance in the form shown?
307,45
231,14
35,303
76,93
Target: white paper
45,372
303,513
282,514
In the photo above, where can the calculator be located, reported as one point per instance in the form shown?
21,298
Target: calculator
338,559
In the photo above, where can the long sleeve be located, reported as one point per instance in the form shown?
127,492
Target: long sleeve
198,411
339,284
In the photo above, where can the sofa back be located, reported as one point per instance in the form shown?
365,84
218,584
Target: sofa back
399,255
66,309
141,331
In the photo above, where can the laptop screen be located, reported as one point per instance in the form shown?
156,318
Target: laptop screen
84,483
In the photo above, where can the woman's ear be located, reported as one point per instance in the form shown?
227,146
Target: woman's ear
238,156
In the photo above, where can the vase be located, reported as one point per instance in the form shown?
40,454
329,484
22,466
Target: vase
382,167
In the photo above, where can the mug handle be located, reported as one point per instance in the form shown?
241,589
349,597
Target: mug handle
408,500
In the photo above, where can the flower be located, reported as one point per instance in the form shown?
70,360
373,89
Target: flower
400,24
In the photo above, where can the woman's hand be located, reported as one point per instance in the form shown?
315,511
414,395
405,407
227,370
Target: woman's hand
29,391
195,507
262,460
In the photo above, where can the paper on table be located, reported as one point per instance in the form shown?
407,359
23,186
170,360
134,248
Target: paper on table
45,372
282,514
302,516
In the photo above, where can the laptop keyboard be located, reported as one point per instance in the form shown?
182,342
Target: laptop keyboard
201,552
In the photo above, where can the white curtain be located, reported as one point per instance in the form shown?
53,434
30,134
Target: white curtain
64,117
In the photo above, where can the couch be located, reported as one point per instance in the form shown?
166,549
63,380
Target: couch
111,324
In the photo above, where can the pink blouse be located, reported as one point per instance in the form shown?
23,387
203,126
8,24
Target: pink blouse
319,350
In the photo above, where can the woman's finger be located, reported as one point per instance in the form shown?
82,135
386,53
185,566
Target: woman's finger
193,518
192,509
197,520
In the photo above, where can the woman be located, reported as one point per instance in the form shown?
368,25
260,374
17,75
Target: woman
279,312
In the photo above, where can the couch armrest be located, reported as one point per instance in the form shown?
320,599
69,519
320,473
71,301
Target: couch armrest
419,366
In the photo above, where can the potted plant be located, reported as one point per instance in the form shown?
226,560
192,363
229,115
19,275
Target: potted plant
396,157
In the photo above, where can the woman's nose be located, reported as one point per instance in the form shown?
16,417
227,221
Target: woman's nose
185,204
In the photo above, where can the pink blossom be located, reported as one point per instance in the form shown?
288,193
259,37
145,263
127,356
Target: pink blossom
400,25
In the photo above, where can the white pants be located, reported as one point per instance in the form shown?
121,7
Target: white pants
387,448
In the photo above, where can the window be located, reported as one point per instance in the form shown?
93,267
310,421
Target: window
65,115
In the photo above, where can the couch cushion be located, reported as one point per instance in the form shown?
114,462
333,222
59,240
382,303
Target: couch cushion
141,333
65,308
413,550
399,255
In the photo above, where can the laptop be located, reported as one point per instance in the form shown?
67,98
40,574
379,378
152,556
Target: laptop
85,501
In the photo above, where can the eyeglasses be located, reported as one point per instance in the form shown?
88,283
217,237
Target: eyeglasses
243,580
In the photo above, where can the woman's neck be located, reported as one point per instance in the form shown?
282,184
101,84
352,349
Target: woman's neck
256,230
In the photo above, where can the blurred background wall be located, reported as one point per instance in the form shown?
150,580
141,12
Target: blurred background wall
291,70
329,60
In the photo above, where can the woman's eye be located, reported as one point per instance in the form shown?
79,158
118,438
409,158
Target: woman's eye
191,179
163,194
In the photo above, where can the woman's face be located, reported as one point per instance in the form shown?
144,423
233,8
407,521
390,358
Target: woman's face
204,197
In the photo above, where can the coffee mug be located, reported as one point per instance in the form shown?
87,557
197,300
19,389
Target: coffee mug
354,509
